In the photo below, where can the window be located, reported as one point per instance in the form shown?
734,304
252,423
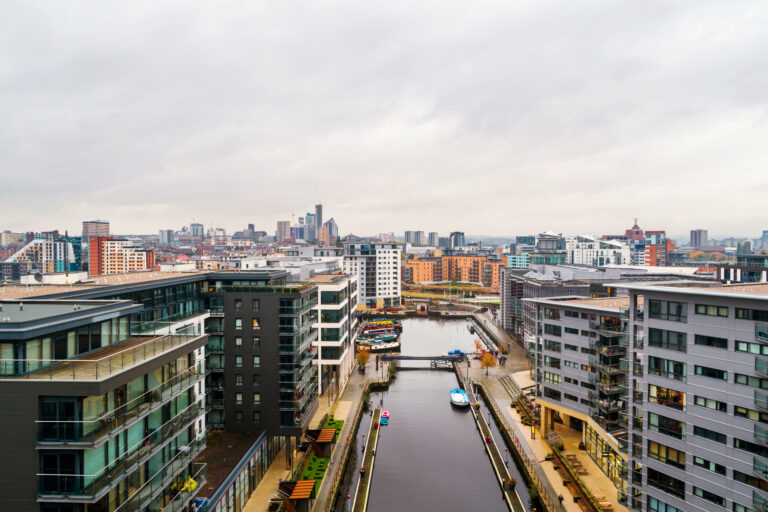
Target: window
569,380
752,348
256,304
588,403
239,416
571,314
752,314
588,368
256,324
655,505
666,368
238,361
571,330
757,449
709,496
552,394
552,362
553,346
666,483
667,310
238,342
709,466
239,379
571,397
710,434
712,373
669,340
256,379
666,426
748,380
711,341
552,378
750,480
238,323
703,309
588,351
666,397
584,316
551,314
585,333
571,364
257,416
574,348
587,385
256,342
743,412
554,330
710,404
238,304
257,399
666,454
257,361
238,399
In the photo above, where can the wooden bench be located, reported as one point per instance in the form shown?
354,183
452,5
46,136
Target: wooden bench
605,505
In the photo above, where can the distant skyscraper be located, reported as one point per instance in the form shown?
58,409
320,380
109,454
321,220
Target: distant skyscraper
310,227
165,237
433,239
419,238
196,229
698,238
94,228
410,237
457,239
283,230
318,217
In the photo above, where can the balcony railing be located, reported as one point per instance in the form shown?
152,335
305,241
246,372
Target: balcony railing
761,435
637,397
759,502
761,400
199,473
609,388
91,369
760,468
111,422
95,485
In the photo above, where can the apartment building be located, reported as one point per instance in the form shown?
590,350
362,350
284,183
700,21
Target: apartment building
657,248
581,375
692,420
94,228
588,250
470,268
336,327
377,266
100,412
47,255
108,255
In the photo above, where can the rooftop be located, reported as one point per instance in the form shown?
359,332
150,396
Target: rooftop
222,453
19,311
614,304
748,291
328,278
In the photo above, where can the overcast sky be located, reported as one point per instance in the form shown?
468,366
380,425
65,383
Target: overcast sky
487,117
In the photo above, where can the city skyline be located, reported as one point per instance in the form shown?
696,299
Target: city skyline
627,112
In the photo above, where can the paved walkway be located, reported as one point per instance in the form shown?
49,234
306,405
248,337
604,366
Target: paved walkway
537,448
516,358
346,406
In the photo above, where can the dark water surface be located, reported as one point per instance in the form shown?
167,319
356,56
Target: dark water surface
430,456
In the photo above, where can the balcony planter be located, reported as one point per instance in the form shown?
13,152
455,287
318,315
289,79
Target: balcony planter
549,456
576,498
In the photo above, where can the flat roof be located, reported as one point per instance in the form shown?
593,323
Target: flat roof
613,304
19,311
328,278
753,291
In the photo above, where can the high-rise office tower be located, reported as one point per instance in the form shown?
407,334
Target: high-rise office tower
419,238
698,238
433,239
94,228
410,237
165,237
318,217
196,229
457,239
283,230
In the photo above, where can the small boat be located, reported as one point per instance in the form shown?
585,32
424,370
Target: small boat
380,346
384,420
385,414
459,398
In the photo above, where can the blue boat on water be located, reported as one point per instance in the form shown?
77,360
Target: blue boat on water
459,398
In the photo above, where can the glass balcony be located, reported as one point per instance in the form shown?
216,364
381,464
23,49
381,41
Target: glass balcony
91,367
96,485
760,502
112,422
761,333
609,388
760,468
761,400
198,474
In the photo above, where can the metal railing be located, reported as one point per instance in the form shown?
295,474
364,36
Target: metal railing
93,369
180,500
110,422
94,485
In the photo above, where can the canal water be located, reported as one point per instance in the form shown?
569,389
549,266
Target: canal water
430,456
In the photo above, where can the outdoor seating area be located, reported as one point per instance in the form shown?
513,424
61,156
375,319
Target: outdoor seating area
315,470
335,424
